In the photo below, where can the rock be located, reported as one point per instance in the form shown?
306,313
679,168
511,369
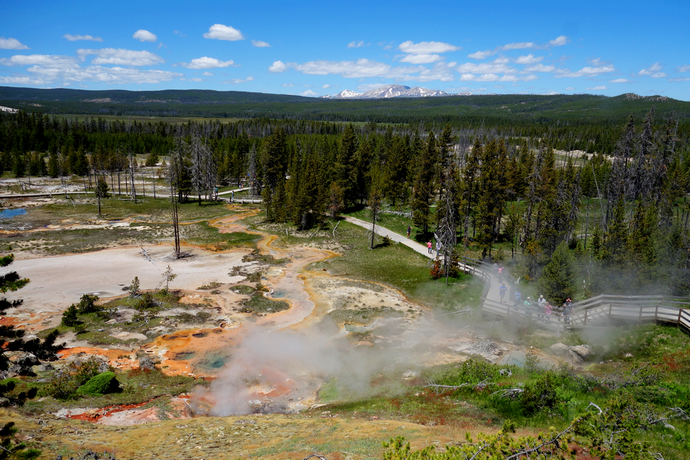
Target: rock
22,363
43,367
583,351
146,363
560,349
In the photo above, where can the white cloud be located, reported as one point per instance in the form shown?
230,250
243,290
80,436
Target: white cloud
655,68
620,80
120,57
60,62
596,88
559,41
222,32
540,68
207,74
196,79
421,58
518,46
74,38
659,75
308,93
260,44
11,44
288,85
678,79
144,36
277,67
207,63
570,88
488,68
489,77
349,69
480,55
23,80
529,59
326,86
584,72
426,47
236,81
501,60
683,68
358,44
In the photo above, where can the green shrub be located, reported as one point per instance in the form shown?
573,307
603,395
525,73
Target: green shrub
70,317
101,384
87,304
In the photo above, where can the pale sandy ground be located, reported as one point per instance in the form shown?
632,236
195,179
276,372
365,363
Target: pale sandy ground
57,282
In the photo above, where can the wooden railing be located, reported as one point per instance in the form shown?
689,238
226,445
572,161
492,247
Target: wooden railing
606,309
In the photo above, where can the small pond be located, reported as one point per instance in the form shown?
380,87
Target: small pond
10,213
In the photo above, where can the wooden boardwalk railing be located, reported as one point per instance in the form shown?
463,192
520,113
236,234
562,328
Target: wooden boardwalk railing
604,310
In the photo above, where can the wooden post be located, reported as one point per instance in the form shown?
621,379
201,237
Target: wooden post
609,310
639,318
585,322
680,310
656,314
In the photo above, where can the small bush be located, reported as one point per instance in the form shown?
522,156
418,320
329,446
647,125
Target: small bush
99,385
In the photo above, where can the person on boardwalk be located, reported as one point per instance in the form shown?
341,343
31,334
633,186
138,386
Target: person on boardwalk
428,247
528,306
500,272
502,291
409,230
547,312
567,310
438,247
542,306
518,297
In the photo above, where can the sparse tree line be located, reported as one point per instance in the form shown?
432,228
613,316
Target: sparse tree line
625,210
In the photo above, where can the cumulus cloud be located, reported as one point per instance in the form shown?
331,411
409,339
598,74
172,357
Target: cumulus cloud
207,74
358,44
223,32
236,81
518,46
596,88
23,80
207,63
277,67
326,86
540,68
620,80
426,47
144,36
655,68
421,58
260,44
54,61
480,55
361,68
585,72
11,44
74,38
559,41
684,68
120,57
308,93
653,71
485,68
529,59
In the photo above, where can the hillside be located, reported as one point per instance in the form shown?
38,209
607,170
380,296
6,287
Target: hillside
519,109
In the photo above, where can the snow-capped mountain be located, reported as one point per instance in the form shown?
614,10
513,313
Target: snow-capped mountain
390,91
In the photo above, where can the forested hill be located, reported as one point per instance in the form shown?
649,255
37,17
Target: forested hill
478,109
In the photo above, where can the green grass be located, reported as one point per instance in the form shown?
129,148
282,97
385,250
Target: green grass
401,268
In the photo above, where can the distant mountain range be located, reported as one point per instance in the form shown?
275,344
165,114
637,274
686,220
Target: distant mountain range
391,91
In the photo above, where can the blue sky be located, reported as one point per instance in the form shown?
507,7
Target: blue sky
321,48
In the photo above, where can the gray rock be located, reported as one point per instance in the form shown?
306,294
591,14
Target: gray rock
146,363
583,351
560,349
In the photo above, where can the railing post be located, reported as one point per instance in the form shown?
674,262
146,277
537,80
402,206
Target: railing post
609,310
680,310
639,318
656,314
585,321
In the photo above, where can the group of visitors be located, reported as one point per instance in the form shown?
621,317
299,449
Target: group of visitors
543,309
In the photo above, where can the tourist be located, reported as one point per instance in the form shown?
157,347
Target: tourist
428,247
542,305
502,291
409,230
567,310
528,306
